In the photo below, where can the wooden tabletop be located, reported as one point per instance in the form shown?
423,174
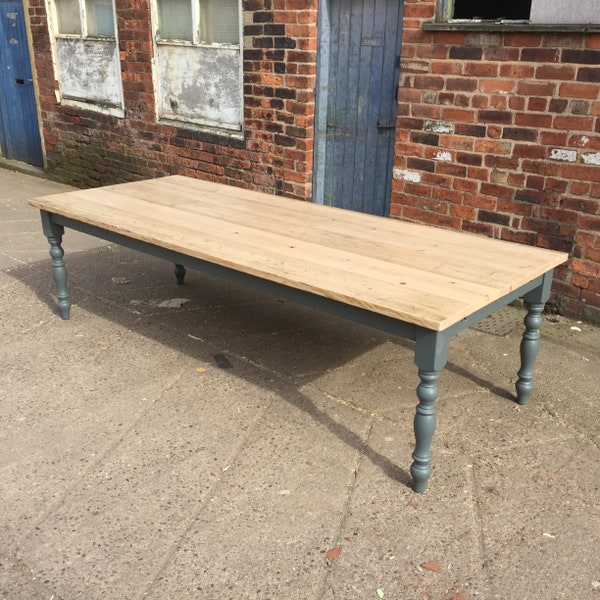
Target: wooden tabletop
422,275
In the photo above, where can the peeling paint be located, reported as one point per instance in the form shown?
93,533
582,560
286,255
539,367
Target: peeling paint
90,70
439,127
415,66
443,156
562,154
200,84
592,159
582,142
404,174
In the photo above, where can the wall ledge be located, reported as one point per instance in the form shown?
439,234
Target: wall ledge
511,26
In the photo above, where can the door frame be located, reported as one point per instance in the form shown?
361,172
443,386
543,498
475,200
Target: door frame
323,52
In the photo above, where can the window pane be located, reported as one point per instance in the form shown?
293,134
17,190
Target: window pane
492,9
175,20
100,18
220,21
67,14
559,11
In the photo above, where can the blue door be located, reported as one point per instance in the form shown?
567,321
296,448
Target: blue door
19,127
358,73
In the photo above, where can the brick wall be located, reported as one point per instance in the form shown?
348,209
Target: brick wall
499,134
87,148
280,43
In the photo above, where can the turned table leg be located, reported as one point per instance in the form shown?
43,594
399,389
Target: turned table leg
431,354
535,301
179,274
529,349
54,234
424,426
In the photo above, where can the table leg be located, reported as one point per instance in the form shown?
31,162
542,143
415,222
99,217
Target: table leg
431,354
54,234
535,300
427,392
529,349
179,273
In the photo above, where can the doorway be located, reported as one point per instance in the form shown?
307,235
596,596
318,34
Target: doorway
19,126
357,81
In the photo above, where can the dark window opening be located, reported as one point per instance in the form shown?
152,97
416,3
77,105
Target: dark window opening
492,9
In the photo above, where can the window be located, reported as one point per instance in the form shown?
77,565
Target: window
492,9
86,53
85,18
175,20
100,18
68,17
540,12
209,21
198,63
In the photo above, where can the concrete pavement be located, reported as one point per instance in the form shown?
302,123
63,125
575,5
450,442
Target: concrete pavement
210,442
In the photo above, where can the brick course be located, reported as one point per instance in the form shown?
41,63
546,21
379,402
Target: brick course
527,127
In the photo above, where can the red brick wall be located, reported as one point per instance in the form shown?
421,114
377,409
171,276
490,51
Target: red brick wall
87,148
499,133
280,44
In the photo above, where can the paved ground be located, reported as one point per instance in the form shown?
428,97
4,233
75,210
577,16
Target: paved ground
229,445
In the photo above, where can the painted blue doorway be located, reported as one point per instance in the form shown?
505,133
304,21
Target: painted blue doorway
19,127
357,83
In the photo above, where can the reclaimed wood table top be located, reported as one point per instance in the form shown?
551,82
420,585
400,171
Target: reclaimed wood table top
418,274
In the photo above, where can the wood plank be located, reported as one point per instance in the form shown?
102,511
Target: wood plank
363,224
423,275
397,249
275,257
425,238
381,269
457,254
430,248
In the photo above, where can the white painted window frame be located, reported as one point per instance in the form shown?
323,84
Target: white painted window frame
539,10
110,108
198,122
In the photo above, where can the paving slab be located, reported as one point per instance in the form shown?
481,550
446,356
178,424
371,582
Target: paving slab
567,377
540,521
21,227
130,509
277,511
72,411
407,545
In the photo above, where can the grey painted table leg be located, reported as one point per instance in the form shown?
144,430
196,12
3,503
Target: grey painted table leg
180,274
431,355
530,343
529,349
54,234
424,425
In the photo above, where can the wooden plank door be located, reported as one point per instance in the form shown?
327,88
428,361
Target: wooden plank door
358,72
19,126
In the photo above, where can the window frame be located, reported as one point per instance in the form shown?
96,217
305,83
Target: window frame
83,21
104,106
199,122
196,29
443,22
